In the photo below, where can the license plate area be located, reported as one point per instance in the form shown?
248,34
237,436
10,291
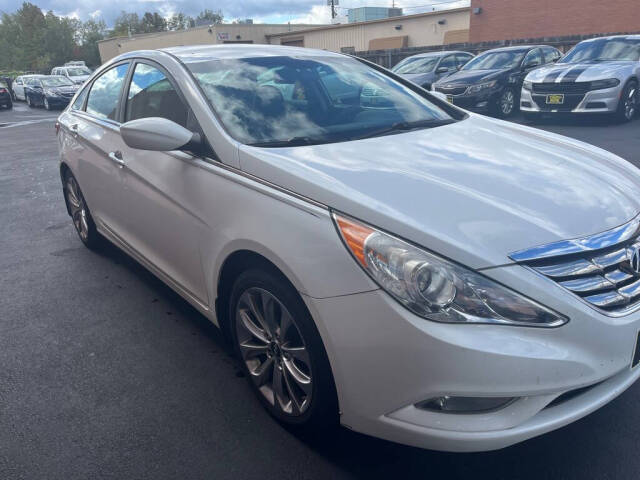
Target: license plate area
636,353
555,99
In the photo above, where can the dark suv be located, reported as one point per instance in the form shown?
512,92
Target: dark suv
492,81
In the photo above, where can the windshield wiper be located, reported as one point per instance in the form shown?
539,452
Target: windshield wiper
400,127
291,142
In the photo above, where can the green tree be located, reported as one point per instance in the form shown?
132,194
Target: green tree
210,16
87,37
179,21
153,22
126,24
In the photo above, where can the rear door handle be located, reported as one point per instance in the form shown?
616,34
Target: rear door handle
116,157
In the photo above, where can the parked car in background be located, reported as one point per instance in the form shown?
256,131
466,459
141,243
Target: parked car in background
414,271
600,75
78,74
492,81
19,85
426,68
50,91
5,96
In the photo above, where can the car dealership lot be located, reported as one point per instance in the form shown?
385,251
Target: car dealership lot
107,373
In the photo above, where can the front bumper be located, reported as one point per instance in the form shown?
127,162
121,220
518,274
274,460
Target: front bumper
59,101
595,101
385,360
480,102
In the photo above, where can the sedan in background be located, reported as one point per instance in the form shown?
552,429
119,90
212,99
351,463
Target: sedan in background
5,96
426,68
19,86
77,74
599,75
491,82
411,270
50,91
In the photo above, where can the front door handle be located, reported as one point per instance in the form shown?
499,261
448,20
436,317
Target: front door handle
116,157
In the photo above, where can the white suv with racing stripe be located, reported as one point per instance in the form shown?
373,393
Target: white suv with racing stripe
599,75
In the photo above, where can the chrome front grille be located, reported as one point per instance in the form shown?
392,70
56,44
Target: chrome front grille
598,269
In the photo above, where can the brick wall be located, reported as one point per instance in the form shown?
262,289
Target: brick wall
510,19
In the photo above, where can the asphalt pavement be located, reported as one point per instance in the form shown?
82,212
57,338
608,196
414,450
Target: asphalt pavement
106,373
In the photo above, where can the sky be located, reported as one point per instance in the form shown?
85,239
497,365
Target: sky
261,11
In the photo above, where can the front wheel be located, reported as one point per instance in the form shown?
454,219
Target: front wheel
628,104
281,351
506,103
47,106
29,104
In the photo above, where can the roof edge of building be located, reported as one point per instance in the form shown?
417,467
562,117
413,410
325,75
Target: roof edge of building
381,20
311,26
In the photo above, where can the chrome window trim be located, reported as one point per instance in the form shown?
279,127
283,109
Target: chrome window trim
590,243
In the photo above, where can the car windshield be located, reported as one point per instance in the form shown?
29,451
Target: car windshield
620,49
78,71
55,82
500,60
269,101
416,65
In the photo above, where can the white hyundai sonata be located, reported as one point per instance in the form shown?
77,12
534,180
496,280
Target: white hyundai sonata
376,256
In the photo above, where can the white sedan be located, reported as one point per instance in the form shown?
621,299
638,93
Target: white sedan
377,257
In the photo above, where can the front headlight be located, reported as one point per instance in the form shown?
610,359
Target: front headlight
602,84
527,85
482,86
51,93
435,288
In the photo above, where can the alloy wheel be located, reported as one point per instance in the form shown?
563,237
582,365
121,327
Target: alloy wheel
78,208
507,102
274,351
46,104
630,103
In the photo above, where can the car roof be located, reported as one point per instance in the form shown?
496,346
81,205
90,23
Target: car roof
226,51
613,37
515,48
439,53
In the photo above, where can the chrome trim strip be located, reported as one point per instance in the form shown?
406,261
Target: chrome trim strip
589,243
587,284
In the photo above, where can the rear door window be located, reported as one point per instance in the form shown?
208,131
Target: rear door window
104,95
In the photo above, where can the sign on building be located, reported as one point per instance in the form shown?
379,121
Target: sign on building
223,36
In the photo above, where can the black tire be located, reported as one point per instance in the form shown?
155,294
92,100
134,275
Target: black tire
507,97
46,104
321,413
79,211
628,105
28,100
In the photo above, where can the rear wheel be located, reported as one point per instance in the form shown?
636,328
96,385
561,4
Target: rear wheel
628,105
80,214
281,351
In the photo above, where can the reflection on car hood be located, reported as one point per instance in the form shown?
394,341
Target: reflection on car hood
584,72
473,191
470,77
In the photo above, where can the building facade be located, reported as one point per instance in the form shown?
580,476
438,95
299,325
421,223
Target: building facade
424,29
520,19
203,35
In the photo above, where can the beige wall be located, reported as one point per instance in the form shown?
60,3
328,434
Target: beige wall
195,36
421,30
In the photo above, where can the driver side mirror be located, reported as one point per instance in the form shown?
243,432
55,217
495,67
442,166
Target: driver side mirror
442,69
159,135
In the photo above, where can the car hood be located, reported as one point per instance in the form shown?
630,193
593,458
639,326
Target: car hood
66,89
80,78
583,72
418,78
470,77
474,191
